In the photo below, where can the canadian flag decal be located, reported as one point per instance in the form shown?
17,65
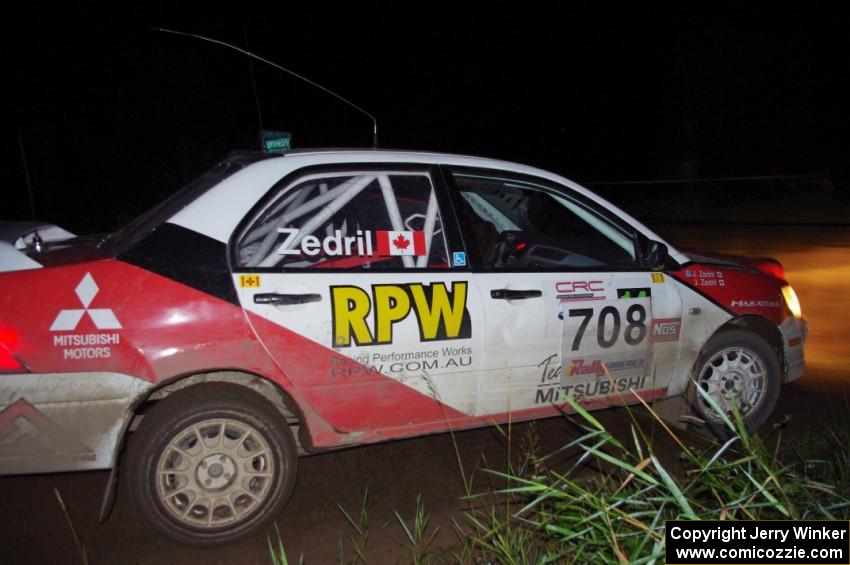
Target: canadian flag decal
400,243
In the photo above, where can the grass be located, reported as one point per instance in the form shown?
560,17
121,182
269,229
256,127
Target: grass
359,542
277,552
610,504
419,535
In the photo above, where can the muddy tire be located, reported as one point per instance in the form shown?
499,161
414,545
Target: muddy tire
737,367
211,464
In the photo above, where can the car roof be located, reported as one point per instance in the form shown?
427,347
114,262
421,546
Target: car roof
330,154
214,212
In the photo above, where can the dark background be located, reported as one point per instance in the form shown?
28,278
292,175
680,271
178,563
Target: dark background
114,116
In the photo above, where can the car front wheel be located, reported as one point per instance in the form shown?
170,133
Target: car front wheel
211,463
740,368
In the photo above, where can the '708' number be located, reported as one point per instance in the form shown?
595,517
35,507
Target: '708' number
635,325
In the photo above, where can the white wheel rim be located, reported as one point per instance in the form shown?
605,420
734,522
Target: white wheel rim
734,375
214,473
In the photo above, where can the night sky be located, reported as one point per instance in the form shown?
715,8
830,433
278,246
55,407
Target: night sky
114,116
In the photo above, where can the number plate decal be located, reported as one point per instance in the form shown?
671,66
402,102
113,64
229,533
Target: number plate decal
606,339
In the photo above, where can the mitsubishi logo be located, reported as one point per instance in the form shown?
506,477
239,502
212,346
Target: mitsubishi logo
102,318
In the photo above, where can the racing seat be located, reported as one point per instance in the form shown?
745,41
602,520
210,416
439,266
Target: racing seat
486,234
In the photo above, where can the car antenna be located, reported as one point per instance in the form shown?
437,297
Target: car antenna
282,68
27,175
36,239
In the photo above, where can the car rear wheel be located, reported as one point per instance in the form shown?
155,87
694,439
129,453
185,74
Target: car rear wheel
211,464
740,368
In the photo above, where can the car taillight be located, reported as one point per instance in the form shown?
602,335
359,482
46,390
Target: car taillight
10,340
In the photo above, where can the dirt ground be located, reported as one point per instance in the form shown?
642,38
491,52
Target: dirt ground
34,529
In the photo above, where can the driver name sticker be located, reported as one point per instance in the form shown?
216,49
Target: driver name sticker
364,243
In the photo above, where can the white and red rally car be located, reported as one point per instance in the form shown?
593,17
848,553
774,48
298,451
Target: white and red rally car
291,304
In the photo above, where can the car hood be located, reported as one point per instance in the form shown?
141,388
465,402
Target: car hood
764,265
710,259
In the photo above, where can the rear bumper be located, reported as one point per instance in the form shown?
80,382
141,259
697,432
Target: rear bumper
794,332
64,421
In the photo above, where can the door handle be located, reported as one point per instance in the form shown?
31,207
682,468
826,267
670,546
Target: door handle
508,294
285,299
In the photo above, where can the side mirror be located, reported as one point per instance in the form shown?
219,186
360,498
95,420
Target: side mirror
655,256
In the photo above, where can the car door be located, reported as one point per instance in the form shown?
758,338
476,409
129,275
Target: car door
345,275
570,309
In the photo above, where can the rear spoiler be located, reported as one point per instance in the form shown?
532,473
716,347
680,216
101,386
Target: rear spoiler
16,238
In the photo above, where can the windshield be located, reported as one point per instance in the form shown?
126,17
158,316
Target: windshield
136,230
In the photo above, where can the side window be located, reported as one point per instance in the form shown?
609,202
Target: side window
363,220
519,224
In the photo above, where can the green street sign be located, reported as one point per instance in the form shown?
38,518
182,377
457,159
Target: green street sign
276,141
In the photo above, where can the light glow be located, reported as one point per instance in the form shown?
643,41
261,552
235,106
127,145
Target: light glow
792,301
8,362
10,339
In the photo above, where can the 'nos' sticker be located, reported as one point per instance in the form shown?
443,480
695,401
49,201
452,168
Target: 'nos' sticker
665,329
361,318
